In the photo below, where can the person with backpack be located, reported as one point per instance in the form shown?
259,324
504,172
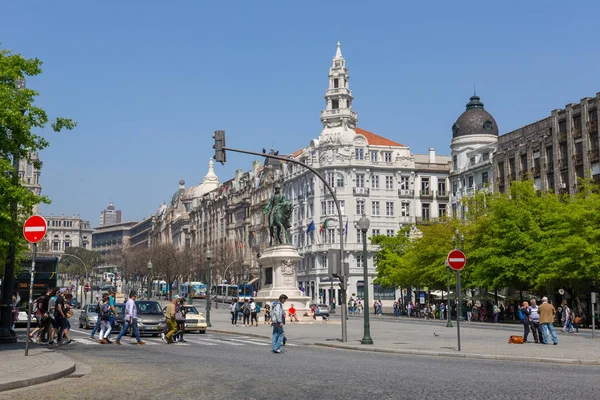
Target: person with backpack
99,303
246,311
277,321
105,324
36,311
524,313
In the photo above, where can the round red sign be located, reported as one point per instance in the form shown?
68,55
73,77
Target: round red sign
34,228
456,260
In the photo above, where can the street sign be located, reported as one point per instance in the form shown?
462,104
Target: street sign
456,260
87,288
34,229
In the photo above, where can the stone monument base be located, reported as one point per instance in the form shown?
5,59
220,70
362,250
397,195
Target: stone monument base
279,270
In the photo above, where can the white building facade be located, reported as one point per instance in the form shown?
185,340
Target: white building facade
64,232
371,175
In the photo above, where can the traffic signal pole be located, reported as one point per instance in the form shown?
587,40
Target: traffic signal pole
220,151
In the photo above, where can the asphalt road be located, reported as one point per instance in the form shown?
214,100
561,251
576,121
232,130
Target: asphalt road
219,366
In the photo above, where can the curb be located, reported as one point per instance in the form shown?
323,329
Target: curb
36,380
569,361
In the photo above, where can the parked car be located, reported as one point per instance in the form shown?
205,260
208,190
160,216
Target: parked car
75,303
321,310
120,307
88,317
194,320
150,317
108,289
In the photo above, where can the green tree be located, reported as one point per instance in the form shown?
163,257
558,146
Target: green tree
19,116
72,266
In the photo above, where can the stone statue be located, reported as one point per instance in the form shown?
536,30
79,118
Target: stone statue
279,210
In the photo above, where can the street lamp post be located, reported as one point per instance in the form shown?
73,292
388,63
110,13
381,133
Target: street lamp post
363,224
149,279
208,298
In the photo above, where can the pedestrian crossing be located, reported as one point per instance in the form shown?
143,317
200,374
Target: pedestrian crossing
191,340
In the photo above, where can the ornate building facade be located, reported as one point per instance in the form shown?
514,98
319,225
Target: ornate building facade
64,232
371,175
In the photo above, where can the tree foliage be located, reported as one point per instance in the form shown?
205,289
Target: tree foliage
523,239
19,117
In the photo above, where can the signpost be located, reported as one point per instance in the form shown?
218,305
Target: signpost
34,231
594,295
456,260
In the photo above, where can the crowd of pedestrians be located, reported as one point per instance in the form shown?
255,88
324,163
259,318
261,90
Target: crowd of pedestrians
52,312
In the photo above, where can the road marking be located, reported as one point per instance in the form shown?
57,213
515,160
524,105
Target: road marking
247,342
223,342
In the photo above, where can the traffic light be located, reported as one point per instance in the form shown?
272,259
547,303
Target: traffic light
219,137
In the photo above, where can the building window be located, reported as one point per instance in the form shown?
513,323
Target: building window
384,293
425,211
56,246
359,236
324,261
484,178
331,235
485,157
336,83
335,104
375,181
374,156
389,182
441,188
374,208
66,244
472,161
360,207
375,232
390,233
425,186
359,261
330,178
470,182
389,208
359,153
405,209
454,163
340,180
387,156
442,210
360,290
360,180
404,182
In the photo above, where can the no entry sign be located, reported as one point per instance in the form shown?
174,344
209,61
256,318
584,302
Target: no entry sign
34,229
456,260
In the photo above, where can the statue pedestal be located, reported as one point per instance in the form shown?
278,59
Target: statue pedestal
279,270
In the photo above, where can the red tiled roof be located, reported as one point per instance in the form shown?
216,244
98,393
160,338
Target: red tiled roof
376,140
296,153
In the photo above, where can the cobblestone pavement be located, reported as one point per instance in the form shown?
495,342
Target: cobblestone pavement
252,372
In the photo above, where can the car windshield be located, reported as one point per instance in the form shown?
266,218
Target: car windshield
91,308
191,310
120,308
148,307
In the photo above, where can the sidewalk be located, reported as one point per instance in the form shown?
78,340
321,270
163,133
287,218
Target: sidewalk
42,365
428,339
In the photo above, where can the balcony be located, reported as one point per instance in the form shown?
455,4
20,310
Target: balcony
442,195
363,191
406,193
594,155
325,192
578,159
562,136
426,193
549,166
592,126
576,132
342,112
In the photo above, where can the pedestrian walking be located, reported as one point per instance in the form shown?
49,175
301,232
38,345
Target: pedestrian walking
547,314
253,312
534,322
496,311
130,320
277,321
180,319
171,320
99,303
234,312
105,315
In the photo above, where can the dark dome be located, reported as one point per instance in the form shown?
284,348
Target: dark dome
475,121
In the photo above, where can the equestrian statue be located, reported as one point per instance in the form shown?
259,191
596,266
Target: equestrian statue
279,210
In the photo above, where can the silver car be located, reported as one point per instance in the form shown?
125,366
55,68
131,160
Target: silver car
88,317
150,317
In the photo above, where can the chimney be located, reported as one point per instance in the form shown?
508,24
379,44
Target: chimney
431,155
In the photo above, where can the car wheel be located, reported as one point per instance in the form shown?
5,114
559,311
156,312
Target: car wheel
203,332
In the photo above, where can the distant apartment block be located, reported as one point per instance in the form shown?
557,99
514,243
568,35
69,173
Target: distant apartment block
110,215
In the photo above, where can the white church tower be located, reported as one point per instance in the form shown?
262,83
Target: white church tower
338,118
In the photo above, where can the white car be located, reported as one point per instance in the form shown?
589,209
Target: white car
194,320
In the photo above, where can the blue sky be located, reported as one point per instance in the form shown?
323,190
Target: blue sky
149,81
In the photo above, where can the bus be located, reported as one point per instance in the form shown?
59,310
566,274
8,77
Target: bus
245,291
224,292
46,277
160,288
197,290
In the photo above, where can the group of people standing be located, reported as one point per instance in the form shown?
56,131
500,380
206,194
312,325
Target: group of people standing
539,320
247,310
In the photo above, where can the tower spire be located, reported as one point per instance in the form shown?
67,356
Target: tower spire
338,116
